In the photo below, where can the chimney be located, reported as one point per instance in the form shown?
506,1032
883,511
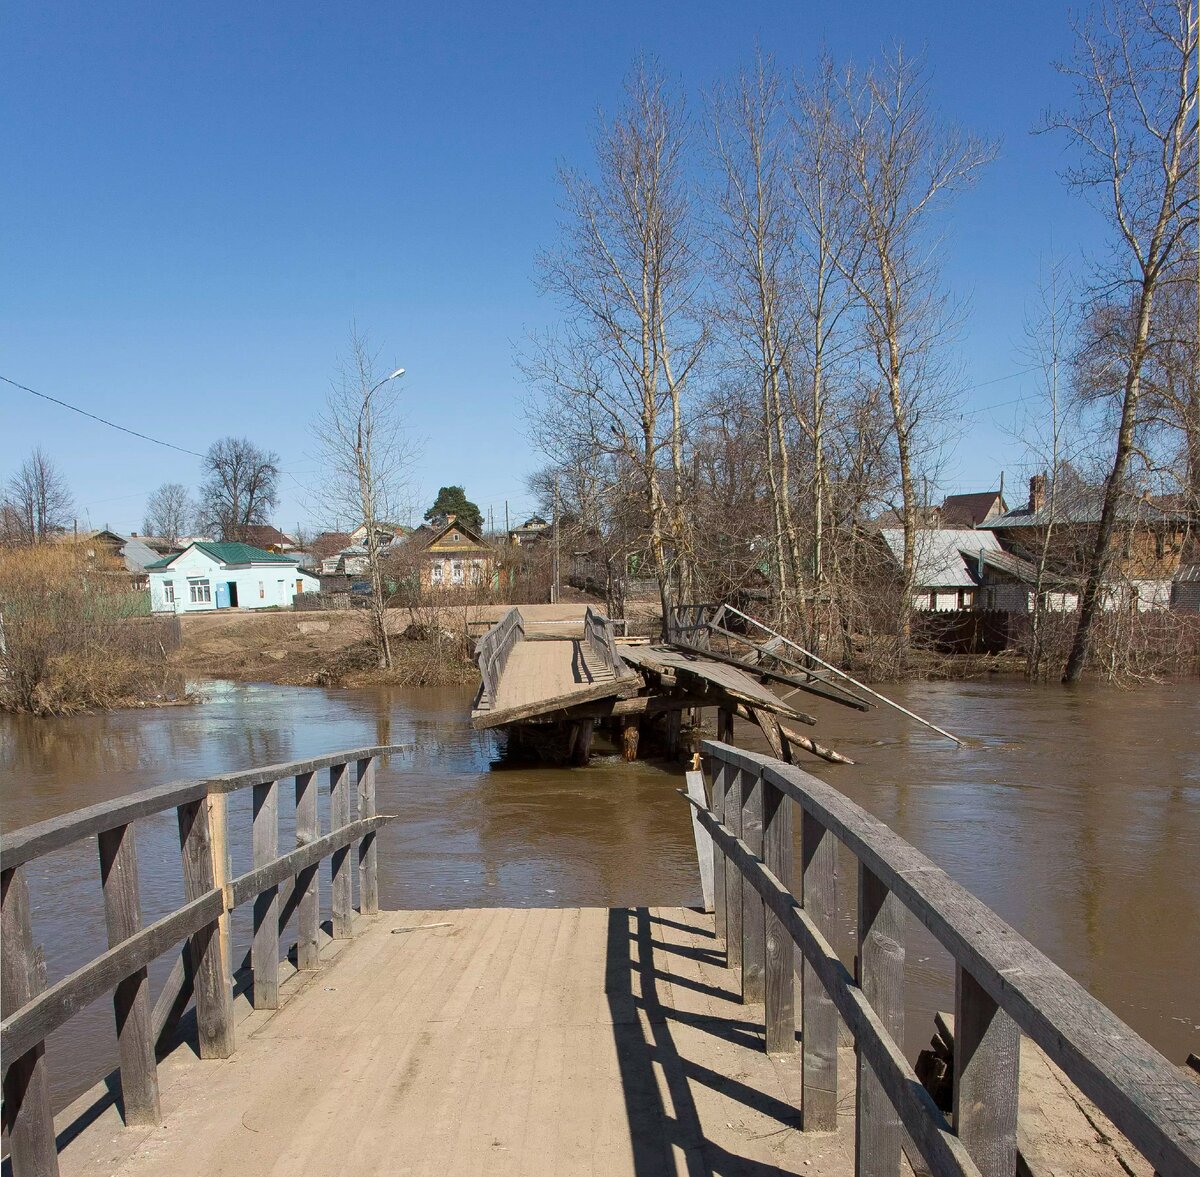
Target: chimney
450,517
1037,492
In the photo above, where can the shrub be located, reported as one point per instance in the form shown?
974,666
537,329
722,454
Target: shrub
75,638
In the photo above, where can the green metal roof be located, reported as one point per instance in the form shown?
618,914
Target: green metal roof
231,553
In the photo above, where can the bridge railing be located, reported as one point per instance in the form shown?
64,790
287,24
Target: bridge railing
1003,985
598,631
278,885
493,649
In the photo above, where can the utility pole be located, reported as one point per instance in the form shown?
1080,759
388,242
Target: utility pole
507,528
554,587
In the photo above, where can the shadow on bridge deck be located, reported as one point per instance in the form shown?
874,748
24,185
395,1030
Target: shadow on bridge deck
494,1041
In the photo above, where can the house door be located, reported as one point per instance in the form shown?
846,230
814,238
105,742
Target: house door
222,601
233,601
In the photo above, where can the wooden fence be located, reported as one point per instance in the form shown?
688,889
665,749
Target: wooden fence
1003,985
491,654
279,885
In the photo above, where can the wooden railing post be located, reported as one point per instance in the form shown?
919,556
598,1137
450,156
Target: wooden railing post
818,1017
368,850
341,892
264,950
987,1050
733,877
28,1119
878,1135
308,913
131,1000
754,917
217,812
721,774
214,995
779,984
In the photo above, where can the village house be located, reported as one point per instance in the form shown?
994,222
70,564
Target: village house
207,576
269,538
971,510
1149,545
534,529
946,565
451,555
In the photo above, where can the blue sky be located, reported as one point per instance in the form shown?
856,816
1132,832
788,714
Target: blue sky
199,198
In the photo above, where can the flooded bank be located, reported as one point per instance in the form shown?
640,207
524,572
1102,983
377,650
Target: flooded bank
1076,815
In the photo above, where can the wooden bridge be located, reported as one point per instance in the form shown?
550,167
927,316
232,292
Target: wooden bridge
638,1040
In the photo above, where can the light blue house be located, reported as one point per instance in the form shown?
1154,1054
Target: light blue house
207,576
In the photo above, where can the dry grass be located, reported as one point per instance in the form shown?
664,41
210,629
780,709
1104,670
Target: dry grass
76,638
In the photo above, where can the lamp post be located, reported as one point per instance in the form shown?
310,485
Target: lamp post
366,489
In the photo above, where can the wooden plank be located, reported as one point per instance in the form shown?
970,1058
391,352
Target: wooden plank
1149,1100
769,726
733,876
217,810
308,915
725,724
719,778
368,849
28,1119
754,918
264,948
779,983
704,845
41,838
818,1017
214,994
131,1000
987,1051
878,1136
341,886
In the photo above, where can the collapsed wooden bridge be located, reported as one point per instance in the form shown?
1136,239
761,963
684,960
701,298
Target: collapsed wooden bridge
637,1040
552,688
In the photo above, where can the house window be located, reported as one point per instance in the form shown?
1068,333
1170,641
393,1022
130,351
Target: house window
456,572
169,592
200,592
435,572
262,590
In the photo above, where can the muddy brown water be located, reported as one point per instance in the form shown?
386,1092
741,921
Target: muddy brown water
1076,815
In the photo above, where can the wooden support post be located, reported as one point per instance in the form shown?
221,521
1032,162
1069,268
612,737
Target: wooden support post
264,950
754,910
341,891
725,725
674,723
214,994
308,915
581,741
704,842
733,877
217,812
131,998
368,848
779,984
629,738
818,1016
987,1051
878,1133
769,726
28,1119
721,774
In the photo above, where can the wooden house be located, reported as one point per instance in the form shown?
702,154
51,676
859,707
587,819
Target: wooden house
451,556
209,576
1148,546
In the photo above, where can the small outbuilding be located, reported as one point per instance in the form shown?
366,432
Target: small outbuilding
207,576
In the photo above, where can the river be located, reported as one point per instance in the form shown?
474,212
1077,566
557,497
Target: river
1075,814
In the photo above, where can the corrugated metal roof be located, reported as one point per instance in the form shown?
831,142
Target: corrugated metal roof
1084,506
231,553
942,558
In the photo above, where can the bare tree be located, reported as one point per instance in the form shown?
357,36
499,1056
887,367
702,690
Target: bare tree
240,489
37,501
754,254
365,459
902,165
1134,130
170,511
616,374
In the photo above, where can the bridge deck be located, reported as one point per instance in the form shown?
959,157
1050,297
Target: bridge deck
504,1041
547,674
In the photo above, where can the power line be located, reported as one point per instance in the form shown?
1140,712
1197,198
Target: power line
102,420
